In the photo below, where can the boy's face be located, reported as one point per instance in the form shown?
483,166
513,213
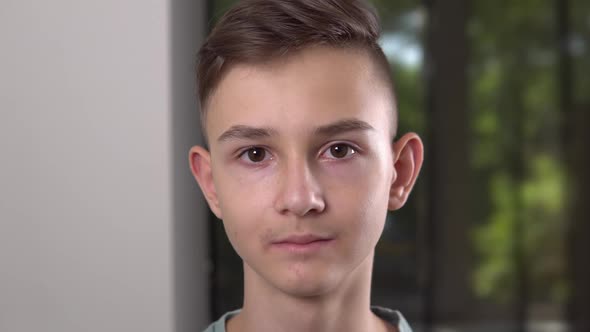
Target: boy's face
301,166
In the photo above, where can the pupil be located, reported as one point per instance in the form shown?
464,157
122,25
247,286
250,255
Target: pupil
256,154
339,151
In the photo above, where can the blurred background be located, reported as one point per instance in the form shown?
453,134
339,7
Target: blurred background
103,228
496,236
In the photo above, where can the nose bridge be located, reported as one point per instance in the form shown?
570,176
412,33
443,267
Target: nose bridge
300,191
299,175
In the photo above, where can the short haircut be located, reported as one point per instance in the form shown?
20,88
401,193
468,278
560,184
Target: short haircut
259,31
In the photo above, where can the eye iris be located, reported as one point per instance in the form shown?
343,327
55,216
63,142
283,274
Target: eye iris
339,150
256,154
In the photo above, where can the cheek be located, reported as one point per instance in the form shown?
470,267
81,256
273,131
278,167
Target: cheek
243,202
365,207
362,183
240,188
359,196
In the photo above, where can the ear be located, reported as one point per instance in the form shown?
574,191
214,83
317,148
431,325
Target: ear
408,154
200,165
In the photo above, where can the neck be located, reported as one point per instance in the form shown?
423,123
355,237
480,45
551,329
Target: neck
343,309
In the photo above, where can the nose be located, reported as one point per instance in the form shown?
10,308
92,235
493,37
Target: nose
299,191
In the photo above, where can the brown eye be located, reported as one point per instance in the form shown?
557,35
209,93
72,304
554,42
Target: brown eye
340,151
256,155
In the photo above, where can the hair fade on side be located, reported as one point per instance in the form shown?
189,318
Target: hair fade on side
257,31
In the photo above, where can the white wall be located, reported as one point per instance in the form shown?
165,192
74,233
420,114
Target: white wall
101,226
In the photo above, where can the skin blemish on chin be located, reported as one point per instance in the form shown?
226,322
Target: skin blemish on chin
295,271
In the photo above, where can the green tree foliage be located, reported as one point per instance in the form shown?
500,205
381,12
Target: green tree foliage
516,151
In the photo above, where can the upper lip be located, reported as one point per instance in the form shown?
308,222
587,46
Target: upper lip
301,239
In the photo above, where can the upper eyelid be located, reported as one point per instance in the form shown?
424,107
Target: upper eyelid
326,147
239,155
243,150
323,149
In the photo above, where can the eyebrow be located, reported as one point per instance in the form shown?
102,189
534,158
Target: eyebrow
338,127
245,132
343,126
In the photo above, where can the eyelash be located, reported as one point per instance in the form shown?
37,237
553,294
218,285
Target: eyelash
352,151
244,152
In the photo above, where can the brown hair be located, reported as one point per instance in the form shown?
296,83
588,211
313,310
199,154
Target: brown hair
256,31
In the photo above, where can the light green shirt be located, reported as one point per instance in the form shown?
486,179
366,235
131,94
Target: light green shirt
392,317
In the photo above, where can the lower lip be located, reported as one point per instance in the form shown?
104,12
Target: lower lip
302,248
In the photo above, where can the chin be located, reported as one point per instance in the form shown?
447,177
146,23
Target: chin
306,291
307,284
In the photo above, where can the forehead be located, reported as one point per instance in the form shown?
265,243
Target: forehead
316,86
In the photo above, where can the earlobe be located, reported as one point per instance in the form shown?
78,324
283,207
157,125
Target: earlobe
408,154
200,165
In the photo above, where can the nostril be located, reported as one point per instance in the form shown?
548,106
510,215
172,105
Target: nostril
300,202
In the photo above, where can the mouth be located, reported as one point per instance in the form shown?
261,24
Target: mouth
301,244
